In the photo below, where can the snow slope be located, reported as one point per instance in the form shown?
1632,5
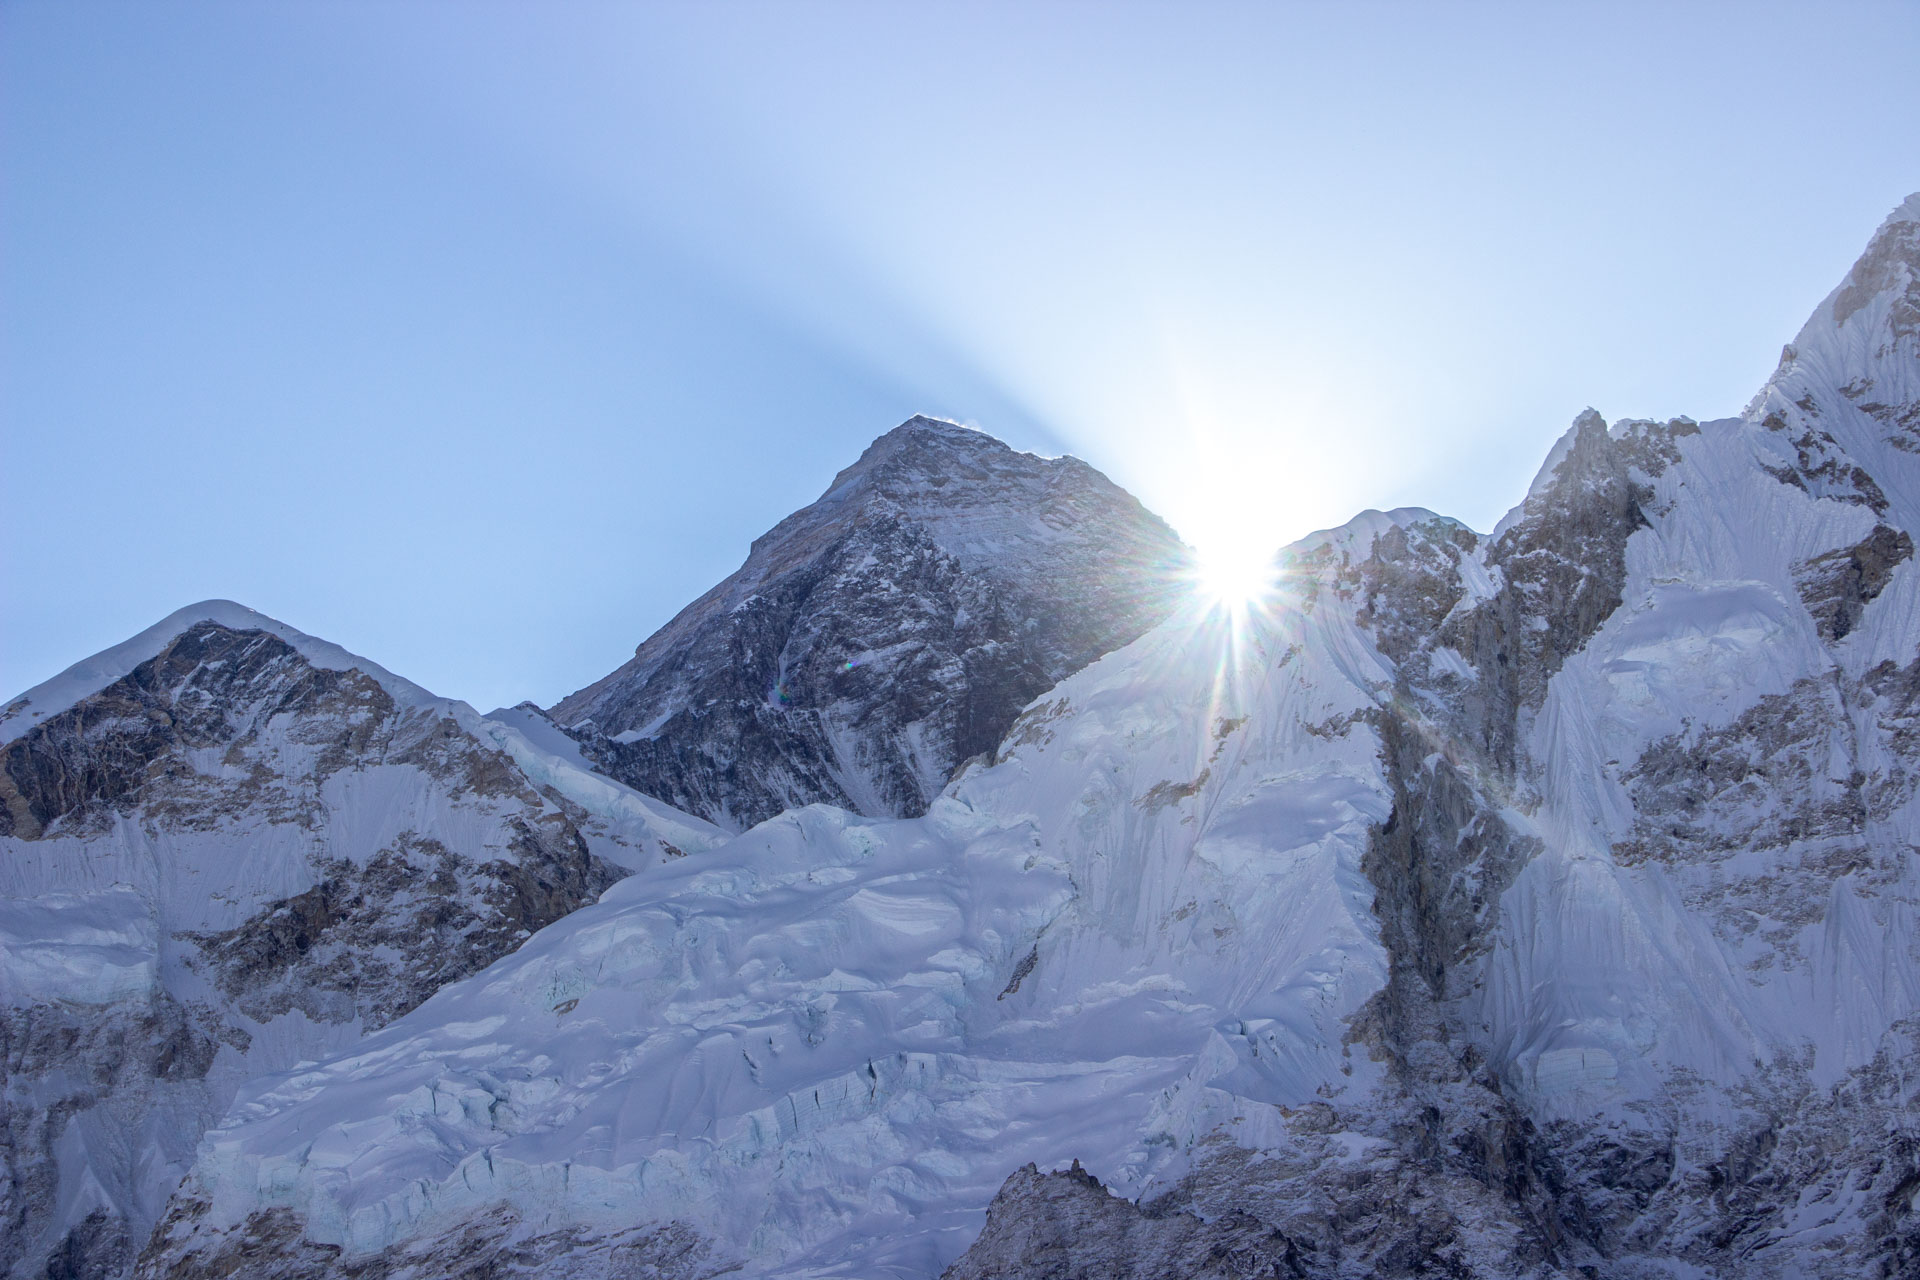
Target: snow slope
1523,905
227,847
1649,888
823,1046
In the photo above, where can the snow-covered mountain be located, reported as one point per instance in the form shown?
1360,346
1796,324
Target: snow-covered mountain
875,640
1532,904
227,847
1648,883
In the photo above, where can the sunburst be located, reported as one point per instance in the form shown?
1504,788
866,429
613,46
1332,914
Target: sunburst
1235,578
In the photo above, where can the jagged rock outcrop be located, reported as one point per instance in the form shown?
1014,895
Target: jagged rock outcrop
225,847
878,638
271,1243
1066,1226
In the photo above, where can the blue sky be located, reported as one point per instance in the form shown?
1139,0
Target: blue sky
480,338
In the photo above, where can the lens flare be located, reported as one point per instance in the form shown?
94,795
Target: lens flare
1234,576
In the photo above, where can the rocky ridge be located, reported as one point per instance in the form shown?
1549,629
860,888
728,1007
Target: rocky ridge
227,847
875,640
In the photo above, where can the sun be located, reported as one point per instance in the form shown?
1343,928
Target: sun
1234,576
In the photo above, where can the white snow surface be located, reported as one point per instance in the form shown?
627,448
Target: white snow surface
548,757
211,876
91,949
807,1042
1608,979
102,918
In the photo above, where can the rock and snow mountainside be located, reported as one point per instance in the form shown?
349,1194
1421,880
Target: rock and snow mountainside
875,640
226,847
1649,880
1532,904
821,1047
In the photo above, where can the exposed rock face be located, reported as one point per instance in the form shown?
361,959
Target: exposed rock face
270,1244
1315,1209
1066,1226
878,638
375,934
226,858
94,1076
1837,586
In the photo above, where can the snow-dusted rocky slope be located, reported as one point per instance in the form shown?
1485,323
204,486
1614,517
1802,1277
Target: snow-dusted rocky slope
226,847
1532,904
1649,883
875,640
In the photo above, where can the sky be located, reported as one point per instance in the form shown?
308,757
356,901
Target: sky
480,338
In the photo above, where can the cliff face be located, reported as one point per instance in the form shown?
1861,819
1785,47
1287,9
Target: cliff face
878,638
227,848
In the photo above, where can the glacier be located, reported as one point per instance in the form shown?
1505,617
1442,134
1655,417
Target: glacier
828,1041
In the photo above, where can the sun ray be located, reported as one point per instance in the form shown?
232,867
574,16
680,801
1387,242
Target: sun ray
1234,577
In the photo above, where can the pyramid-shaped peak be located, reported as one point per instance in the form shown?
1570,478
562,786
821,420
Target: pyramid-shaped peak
922,438
1890,265
1859,343
880,636
924,454
90,675
922,427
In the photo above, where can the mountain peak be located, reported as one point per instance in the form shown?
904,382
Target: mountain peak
1852,373
923,427
923,448
1890,265
90,675
1907,210
879,637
